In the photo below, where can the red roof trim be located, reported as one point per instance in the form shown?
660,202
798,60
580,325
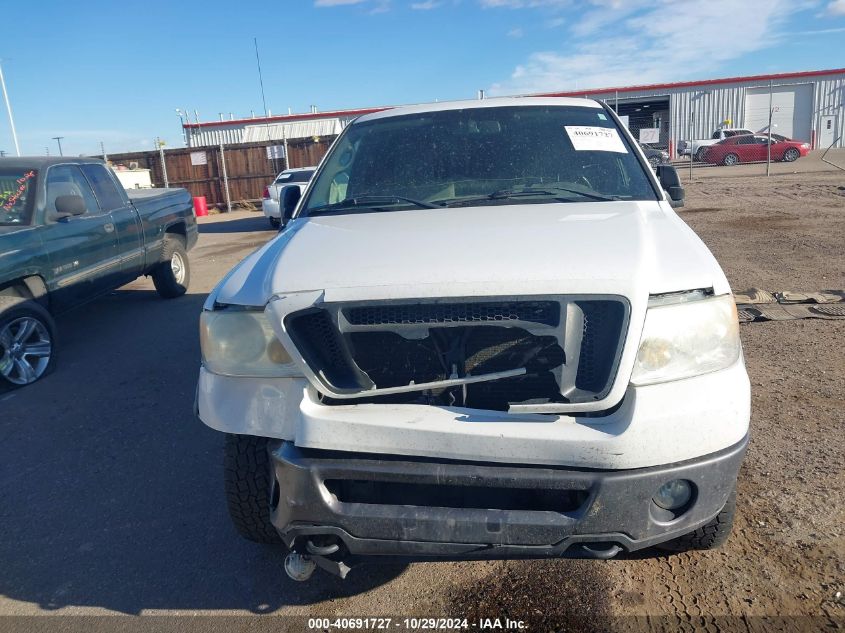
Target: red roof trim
690,84
288,117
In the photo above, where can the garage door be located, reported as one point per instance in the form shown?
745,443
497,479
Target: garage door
793,110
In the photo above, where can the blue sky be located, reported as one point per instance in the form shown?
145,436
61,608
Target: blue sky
115,71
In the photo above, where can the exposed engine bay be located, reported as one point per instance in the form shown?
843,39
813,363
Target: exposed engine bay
480,354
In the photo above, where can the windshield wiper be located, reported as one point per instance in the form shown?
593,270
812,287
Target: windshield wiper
551,191
370,203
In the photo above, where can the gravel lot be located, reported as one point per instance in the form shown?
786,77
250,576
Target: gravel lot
111,492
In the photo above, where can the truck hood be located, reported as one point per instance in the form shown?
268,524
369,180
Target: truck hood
625,248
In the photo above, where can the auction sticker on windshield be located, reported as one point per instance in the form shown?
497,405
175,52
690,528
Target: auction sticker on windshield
595,139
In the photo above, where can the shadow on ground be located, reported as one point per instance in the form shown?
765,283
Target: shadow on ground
111,490
254,222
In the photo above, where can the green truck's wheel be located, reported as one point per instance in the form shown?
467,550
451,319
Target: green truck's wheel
172,276
27,341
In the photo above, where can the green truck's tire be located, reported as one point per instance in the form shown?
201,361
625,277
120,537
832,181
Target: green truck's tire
27,342
172,276
249,487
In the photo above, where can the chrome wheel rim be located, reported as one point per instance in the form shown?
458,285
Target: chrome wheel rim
177,266
25,350
791,155
730,159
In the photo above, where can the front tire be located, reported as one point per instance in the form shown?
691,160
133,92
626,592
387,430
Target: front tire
249,487
172,275
791,155
710,535
730,160
27,341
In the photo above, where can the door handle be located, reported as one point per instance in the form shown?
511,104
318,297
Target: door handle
108,227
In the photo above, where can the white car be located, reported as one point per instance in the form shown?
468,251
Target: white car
485,333
699,146
297,177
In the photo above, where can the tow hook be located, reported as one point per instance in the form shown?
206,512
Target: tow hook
300,566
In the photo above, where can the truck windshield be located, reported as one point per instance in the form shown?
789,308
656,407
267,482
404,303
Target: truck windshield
479,156
17,193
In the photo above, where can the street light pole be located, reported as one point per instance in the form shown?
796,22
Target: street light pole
58,140
9,110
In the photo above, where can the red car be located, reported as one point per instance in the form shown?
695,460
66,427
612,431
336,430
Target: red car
752,148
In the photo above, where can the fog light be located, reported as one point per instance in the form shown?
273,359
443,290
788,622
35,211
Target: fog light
673,495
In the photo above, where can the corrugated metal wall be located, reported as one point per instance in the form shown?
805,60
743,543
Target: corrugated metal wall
697,111
829,99
251,131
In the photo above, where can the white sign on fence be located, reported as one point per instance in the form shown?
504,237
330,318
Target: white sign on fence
650,135
199,158
275,151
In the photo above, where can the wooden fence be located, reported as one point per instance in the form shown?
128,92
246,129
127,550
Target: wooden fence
247,167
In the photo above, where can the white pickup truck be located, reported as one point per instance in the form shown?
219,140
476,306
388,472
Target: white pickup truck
297,177
485,333
697,147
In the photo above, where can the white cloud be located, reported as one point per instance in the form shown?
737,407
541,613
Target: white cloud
638,42
837,7
516,33
425,6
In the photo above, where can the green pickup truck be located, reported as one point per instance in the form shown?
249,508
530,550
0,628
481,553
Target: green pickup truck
69,233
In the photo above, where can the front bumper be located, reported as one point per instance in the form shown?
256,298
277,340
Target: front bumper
421,508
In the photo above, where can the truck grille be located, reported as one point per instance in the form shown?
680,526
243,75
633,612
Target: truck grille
567,348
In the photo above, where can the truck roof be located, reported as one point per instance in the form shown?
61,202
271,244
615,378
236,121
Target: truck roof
496,102
41,162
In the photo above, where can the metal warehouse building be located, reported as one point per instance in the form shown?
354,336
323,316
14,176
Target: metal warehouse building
807,106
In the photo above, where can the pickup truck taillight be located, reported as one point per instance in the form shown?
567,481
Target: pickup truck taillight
266,194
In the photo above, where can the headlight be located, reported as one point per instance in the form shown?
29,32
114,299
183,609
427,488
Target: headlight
687,339
242,343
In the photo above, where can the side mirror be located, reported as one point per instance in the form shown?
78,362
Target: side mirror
290,198
671,183
67,206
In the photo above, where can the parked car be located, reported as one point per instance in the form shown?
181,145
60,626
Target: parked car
654,156
753,148
485,333
69,233
298,177
698,146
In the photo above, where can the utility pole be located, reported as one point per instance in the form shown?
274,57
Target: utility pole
225,180
691,136
103,149
58,140
769,143
160,145
9,110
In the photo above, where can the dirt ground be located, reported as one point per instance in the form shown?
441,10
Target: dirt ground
111,493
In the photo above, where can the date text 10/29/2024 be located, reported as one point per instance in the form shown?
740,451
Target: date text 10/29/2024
416,624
